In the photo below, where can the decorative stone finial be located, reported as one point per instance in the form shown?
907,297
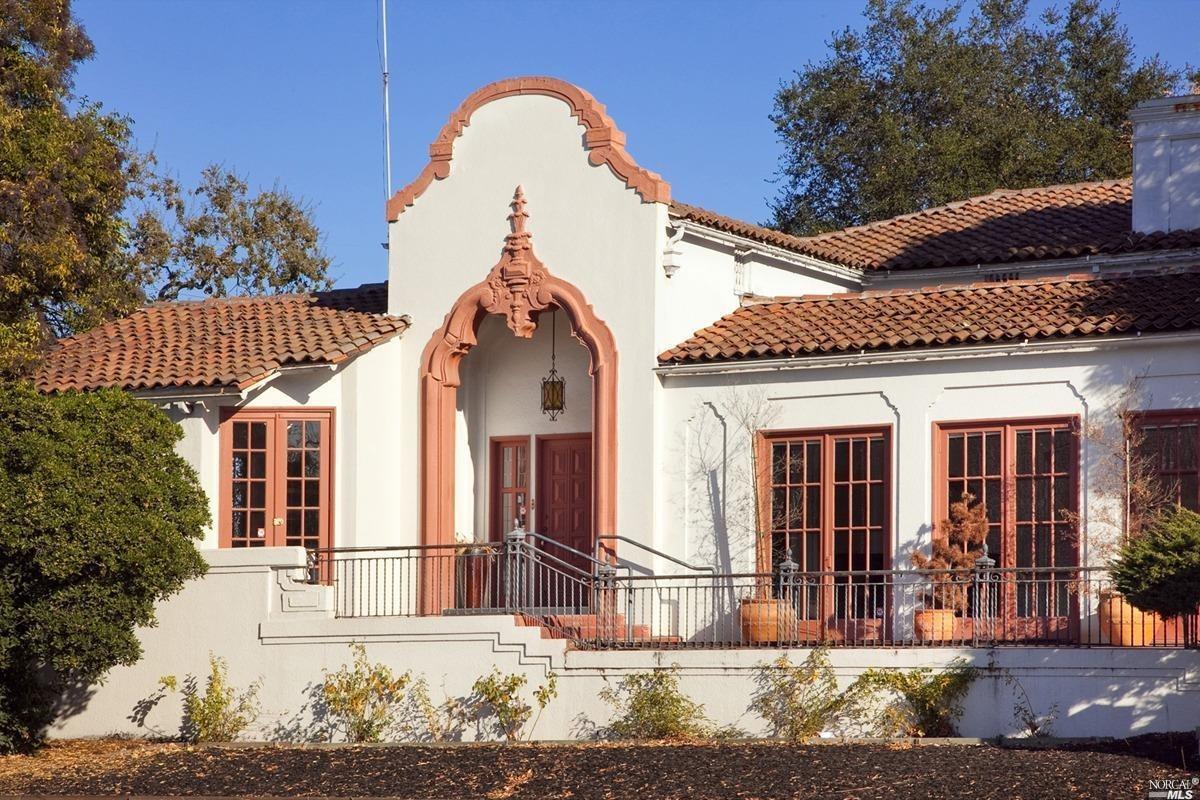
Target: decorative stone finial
516,280
518,216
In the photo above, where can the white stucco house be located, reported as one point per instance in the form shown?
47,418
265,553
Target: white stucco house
709,437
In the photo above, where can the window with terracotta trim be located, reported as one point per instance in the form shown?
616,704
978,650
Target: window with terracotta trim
1168,450
276,478
828,504
510,485
1025,472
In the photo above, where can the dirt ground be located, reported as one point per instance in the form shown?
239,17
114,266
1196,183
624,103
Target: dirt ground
1121,769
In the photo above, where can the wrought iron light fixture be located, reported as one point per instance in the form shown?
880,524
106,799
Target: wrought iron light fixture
554,388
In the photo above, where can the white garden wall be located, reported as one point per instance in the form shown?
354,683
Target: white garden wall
269,628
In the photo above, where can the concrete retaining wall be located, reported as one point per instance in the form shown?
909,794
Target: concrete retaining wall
270,628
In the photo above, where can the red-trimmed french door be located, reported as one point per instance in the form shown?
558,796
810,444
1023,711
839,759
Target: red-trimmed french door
827,499
1026,474
276,478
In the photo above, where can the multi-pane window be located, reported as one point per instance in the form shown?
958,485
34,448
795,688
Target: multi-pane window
1168,452
510,482
1025,474
828,498
276,487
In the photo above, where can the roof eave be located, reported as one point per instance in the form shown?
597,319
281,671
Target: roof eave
859,358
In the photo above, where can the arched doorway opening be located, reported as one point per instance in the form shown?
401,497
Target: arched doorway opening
520,289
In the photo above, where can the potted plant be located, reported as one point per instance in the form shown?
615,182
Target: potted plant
474,568
763,617
964,534
1157,575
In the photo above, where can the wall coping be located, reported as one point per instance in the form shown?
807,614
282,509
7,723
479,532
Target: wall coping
267,557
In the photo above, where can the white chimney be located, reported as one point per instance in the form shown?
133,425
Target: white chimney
1166,164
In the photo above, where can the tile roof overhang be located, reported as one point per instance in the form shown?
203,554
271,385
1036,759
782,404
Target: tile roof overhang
1003,227
1064,308
221,344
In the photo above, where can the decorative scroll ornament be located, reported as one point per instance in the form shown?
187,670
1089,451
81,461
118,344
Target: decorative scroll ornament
517,283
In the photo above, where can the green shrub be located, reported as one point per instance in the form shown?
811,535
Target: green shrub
799,701
926,702
1159,570
650,705
498,695
363,700
98,517
221,713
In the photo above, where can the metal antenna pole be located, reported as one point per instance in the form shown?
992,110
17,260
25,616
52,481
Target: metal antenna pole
387,115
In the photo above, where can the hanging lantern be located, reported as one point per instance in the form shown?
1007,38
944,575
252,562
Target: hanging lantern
554,388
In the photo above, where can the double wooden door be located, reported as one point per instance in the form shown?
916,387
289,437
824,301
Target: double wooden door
560,483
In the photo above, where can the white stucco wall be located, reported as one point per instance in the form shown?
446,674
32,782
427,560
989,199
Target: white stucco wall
588,228
272,630
706,488
710,282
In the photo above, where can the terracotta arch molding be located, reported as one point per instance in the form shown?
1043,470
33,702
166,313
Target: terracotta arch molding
518,287
604,142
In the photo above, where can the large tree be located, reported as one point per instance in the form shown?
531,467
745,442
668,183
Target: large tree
929,105
98,521
90,228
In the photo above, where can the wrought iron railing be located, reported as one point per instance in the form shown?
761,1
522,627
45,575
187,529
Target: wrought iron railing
578,597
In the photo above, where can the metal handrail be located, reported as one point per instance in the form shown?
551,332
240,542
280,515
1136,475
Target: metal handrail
539,537
555,560
1058,572
696,567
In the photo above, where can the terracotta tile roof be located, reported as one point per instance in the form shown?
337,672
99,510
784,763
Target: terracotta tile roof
229,342
1046,308
1005,226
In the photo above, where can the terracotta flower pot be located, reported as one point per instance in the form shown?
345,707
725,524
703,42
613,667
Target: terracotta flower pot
1123,624
934,624
767,620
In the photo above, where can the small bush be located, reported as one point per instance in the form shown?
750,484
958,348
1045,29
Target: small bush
498,695
362,700
431,722
799,701
1159,570
221,713
650,705
1033,724
926,702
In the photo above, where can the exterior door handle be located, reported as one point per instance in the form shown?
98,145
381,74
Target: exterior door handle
277,521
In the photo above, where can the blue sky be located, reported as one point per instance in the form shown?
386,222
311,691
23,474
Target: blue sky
287,91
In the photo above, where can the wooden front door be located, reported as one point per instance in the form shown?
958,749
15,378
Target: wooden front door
564,497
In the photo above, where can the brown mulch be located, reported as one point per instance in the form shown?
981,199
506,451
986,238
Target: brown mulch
1120,769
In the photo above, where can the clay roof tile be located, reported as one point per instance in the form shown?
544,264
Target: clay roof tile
225,342
1048,308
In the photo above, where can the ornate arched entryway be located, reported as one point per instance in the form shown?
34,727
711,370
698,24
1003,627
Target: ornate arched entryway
518,287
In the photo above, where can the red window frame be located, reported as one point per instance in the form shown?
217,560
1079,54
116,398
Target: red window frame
1181,456
873,484
499,444
289,510
1013,478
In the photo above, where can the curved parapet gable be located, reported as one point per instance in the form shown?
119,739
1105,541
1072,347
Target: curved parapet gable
605,143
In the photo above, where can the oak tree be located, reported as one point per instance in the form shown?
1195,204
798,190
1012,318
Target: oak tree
925,106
